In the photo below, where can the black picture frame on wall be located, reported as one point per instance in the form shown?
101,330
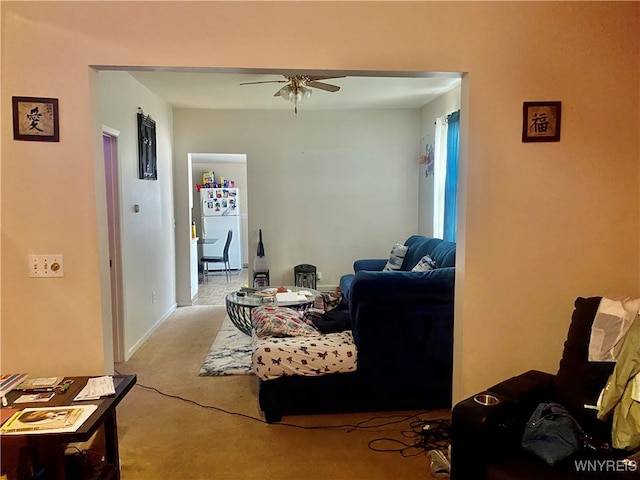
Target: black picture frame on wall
541,121
35,119
147,159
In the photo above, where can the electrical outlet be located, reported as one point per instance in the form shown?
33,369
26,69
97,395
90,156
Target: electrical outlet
319,276
49,265
153,297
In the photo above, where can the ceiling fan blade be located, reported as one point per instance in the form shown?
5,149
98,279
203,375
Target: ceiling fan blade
323,86
266,81
319,77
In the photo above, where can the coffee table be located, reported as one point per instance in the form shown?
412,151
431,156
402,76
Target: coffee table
239,308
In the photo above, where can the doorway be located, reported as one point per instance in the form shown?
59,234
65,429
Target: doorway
110,148
232,167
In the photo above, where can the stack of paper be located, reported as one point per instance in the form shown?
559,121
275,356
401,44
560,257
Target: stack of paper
10,381
39,383
96,388
290,297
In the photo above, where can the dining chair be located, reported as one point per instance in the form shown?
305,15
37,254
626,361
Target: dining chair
219,259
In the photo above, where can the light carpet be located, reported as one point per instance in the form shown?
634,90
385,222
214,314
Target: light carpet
230,353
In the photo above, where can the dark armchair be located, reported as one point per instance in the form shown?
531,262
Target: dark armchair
487,428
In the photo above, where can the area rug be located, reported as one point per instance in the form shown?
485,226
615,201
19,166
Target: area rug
230,353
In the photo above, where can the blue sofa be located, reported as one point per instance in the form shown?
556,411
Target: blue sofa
402,324
367,270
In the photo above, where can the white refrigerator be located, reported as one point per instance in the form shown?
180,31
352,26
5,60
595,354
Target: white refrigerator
221,213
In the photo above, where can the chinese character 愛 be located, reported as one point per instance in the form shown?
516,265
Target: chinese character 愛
34,117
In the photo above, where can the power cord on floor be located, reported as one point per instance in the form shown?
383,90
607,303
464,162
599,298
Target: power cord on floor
425,435
372,423
360,426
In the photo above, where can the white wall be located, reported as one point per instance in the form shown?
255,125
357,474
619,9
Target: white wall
326,187
443,105
148,260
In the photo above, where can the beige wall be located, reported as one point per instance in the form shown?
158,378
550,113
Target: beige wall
320,184
539,223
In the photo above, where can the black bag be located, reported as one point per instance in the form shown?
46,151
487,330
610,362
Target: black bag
552,433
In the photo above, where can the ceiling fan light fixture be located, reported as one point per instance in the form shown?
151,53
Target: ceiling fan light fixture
299,87
286,92
295,94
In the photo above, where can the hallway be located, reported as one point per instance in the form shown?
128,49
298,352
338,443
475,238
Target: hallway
212,290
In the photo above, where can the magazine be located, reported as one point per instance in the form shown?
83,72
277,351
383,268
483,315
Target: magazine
47,419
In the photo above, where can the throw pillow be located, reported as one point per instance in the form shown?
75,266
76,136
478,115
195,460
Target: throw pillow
271,321
425,264
396,257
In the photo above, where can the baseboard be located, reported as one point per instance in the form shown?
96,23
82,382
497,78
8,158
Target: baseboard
146,336
326,288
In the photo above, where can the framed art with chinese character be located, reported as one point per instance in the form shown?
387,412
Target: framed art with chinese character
147,161
35,119
541,121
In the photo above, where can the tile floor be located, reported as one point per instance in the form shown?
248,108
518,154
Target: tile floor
212,290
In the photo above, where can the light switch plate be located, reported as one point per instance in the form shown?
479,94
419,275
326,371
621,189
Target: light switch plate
50,265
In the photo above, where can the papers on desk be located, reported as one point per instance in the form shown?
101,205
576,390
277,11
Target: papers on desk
39,383
10,381
35,397
96,388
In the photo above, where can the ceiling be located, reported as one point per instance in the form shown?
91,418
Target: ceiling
223,90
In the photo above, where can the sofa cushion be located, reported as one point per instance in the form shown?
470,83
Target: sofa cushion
418,247
425,264
444,253
271,321
396,257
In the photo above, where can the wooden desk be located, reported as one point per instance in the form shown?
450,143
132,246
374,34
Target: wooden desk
45,452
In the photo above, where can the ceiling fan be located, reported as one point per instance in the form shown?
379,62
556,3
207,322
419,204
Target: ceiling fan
298,87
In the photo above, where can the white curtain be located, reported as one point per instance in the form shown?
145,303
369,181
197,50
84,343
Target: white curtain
439,175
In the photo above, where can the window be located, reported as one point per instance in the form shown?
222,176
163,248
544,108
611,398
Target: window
439,175
445,169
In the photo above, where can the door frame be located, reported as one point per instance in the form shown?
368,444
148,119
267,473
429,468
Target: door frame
112,184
